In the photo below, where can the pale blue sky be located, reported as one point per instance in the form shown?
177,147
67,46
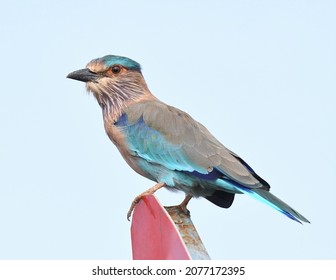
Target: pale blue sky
261,75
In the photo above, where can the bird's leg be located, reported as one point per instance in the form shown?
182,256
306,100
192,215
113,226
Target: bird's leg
140,196
184,204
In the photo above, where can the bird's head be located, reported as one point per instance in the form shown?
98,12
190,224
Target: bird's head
113,80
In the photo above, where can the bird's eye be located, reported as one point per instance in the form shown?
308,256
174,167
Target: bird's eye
116,69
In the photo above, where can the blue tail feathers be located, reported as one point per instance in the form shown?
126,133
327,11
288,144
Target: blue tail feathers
271,200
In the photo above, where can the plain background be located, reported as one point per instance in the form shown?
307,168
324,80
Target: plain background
259,74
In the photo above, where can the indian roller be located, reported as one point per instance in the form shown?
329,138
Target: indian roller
165,144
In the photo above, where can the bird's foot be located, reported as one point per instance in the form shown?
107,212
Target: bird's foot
179,210
140,196
184,204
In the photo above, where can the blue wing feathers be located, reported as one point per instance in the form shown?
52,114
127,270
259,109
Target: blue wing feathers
213,175
152,146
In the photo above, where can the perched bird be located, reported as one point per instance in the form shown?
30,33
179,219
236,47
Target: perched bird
167,145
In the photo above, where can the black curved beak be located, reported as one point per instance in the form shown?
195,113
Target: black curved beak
83,75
